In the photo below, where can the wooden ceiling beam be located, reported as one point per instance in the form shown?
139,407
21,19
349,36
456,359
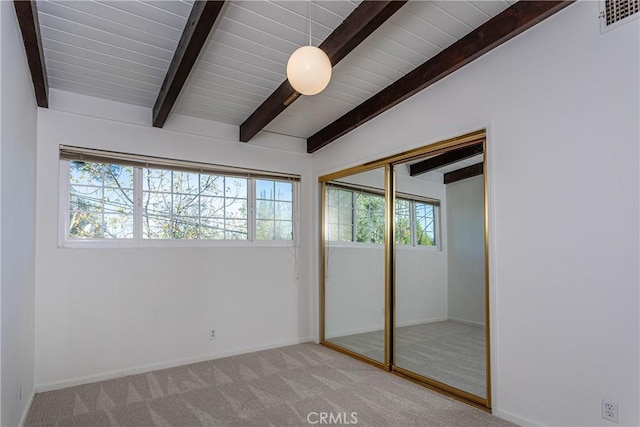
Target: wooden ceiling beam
464,173
516,19
203,16
27,14
447,158
356,27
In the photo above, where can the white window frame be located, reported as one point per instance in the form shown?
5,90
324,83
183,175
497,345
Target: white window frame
64,240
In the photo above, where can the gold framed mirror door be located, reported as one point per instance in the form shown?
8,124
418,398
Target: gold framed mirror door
354,268
404,268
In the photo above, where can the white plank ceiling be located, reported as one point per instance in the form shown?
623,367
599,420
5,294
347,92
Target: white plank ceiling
121,50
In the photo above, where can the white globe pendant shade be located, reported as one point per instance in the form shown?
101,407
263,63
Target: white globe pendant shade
309,70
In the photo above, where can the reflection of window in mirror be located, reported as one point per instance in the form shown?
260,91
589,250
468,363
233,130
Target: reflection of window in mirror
357,215
416,223
354,215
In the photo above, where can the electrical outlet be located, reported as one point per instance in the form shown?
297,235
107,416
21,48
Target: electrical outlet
212,334
610,410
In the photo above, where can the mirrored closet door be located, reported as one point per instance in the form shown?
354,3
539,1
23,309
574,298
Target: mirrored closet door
354,263
440,309
411,298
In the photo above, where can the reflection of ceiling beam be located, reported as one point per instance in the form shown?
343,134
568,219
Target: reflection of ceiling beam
356,27
203,16
445,159
29,26
514,20
464,173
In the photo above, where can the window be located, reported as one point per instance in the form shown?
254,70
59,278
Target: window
113,201
356,215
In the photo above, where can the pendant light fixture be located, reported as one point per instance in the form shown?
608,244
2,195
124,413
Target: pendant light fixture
309,68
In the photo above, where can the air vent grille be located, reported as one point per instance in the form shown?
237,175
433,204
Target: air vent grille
616,10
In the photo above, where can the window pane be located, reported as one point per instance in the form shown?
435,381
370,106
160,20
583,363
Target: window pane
211,185
264,209
265,229
85,225
274,210
212,228
118,201
118,176
425,224
86,173
403,222
236,208
186,205
284,191
186,182
339,212
156,204
235,187
345,233
156,180
283,211
118,226
185,227
212,207
83,198
283,230
100,201
155,227
264,189
369,218
236,229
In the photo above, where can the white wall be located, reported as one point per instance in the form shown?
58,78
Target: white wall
107,312
561,106
421,273
17,221
465,250
354,289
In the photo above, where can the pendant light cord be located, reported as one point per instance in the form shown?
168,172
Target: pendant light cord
310,10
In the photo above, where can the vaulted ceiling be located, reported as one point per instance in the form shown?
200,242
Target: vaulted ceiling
226,61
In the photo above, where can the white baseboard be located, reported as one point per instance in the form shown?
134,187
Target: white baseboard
353,332
420,322
466,322
523,422
23,419
163,365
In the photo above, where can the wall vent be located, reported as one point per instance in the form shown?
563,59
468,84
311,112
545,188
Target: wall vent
616,12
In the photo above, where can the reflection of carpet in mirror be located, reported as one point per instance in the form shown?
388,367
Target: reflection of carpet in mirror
450,352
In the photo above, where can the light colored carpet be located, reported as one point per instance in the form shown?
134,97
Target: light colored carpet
450,352
277,387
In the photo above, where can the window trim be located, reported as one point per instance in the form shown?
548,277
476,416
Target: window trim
64,240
